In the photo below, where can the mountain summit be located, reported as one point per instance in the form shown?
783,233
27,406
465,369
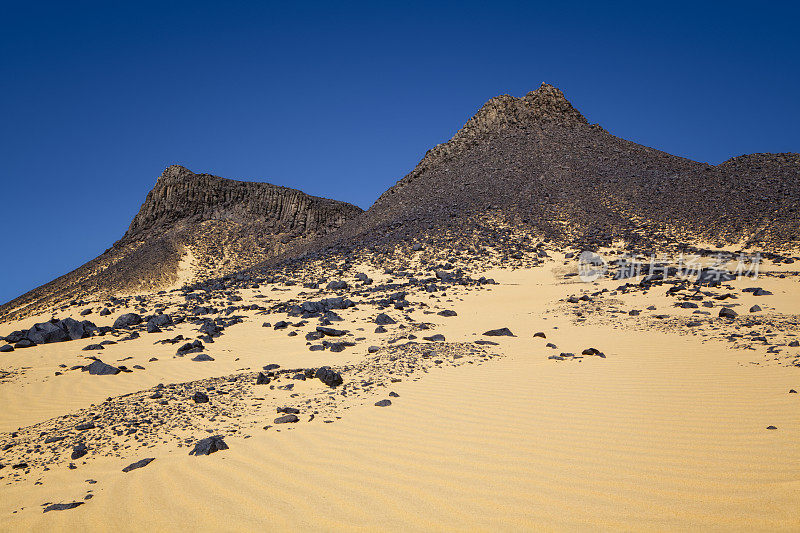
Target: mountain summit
535,161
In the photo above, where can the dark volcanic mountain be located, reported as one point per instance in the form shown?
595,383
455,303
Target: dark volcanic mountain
536,161
192,227
532,163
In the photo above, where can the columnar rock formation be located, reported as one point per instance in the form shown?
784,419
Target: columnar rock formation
193,227
180,196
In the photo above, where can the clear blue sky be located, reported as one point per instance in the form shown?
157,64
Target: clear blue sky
342,99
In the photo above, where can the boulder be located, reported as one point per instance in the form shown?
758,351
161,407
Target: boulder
209,445
383,319
328,376
200,397
127,320
99,368
331,332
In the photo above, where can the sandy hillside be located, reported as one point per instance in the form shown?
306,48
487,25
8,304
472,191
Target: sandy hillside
662,427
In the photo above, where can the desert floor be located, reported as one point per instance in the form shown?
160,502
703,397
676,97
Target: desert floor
668,431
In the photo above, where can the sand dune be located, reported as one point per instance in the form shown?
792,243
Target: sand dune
667,432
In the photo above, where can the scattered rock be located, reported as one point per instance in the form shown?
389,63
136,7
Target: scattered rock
502,332
62,506
139,464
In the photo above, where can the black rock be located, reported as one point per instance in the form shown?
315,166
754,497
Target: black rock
6,348
331,332
99,368
127,320
286,419
593,351
160,321
383,403
383,319
711,276
502,332
47,332
200,397
191,347
62,506
727,312
447,312
139,464
202,357
328,376
755,309
93,347
79,451
209,445
435,338
288,410
262,379
314,335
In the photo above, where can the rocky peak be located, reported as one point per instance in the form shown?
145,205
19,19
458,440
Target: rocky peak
175,172
545,104
542,107
180,195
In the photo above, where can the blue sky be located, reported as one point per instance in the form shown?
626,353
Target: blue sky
343,99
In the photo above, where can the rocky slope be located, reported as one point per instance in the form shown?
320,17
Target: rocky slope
536,162
192,227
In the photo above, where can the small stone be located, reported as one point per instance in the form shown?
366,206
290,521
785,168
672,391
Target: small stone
139,464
